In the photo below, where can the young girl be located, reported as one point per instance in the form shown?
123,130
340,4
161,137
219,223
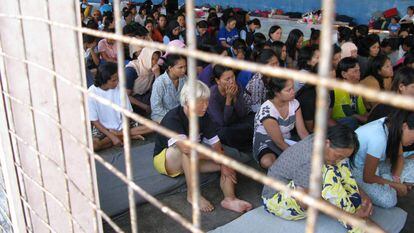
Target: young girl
173,32
380,168
348,109
106,122
379,78
275,33
154,34
338,186
255,93
228,109
275,121
293,44
167,87
140,75
181,22
162,24
280,50
228,34
248,31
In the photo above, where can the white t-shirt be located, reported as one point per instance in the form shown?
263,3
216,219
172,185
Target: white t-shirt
106,115
408,18
372,139
268,110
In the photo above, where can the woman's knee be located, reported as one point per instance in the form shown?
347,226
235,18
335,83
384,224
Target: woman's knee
267,160
385,199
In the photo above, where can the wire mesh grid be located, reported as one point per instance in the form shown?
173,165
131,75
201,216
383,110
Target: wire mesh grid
313,200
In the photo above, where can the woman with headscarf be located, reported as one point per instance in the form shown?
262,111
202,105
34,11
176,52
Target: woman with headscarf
173,32
349,49
140,75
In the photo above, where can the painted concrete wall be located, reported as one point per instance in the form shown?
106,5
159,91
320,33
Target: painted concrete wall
361,10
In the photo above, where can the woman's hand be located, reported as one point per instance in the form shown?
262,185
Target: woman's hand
401,189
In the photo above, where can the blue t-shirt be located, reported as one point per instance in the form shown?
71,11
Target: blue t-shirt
244,77
372,139
228,36
394,27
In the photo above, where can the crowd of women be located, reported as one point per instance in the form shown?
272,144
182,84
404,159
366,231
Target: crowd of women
368,147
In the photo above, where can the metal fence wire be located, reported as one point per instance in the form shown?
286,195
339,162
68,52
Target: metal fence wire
321,80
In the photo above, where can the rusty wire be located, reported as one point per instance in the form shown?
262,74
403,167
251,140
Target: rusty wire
217,157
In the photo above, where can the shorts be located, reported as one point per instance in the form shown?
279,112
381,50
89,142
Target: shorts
263,144
96,133
159,161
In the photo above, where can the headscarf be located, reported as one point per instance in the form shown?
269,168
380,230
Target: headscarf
143,67
347,48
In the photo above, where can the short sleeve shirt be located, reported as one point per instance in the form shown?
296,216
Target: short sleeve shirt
294,164
228,36
268,110
177,121
372,139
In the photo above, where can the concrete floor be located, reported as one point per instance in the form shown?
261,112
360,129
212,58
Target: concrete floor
151,220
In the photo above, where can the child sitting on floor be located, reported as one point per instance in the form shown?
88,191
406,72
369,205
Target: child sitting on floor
107,122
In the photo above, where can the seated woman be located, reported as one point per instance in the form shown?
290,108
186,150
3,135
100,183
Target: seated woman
173,32
140,75
274,122
255,93
107,49
403,84
307,59
228,110
165,94
379,78
106,122
172,157
348,109
293,44
338,186
380,168
280,50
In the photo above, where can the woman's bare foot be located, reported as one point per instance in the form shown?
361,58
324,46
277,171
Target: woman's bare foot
205,206
236,205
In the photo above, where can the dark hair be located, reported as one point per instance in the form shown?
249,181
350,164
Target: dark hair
171,26
240,17
385,43
394,122
375,66
404,76
277,47
315,34
344,34
304,56
141,31
92,24
341,136
172,59
108,20
259,41
162,15
361,29
142,8
129,29
365,45
410,8
126,13
375,37
147,21
213,20
408,41
254,21
202,24
273,29
105,71
230,20
274,85
227,13
336,49
265,55
239,44
291,42
344,65
88,38
218,71
409,59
